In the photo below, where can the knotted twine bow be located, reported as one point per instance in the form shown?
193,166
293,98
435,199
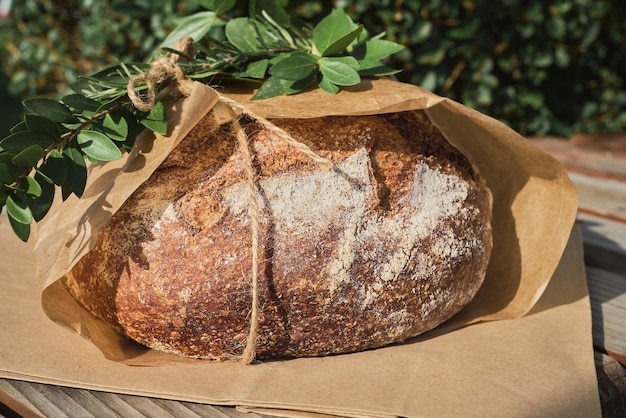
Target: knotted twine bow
162,70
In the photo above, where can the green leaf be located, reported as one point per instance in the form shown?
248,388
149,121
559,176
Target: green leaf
467,31
376,50
256,69
421,31
332,29
196,25
6,157
133,10
592,34
561,57
51,109
342,43
108,105
204,74
375,69
76,171
43,125
275,86
66,190
8,173
113,77
242,33
18,209
283,32
556,27
294,87
270,37
55,167
274,8
20,229
115,127
81,103
18,141
339,73
433,54
156,120
26,159
543,59
41,205
272,87
98,146
21,126
134,128
278,58
295,67
327,86
44,177
31,187
348,60
222,6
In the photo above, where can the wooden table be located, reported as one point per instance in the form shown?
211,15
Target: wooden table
598,168
597,165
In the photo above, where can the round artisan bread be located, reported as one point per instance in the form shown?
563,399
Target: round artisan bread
391,243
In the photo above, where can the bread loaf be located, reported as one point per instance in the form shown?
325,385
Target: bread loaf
390,244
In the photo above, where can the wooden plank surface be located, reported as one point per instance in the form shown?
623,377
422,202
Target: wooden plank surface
599,173
605,243
611,386
38,400
597,166
607,292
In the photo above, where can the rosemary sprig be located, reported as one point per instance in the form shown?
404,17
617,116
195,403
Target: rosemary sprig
49,148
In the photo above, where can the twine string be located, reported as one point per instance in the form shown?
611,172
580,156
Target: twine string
254,213
165,68
162,69
324,163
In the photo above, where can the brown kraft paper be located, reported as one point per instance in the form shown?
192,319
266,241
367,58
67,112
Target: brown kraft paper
539,365
534,209
534,201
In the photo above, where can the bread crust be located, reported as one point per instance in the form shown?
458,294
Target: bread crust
388,246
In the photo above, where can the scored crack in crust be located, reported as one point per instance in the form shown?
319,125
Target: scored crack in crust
389,245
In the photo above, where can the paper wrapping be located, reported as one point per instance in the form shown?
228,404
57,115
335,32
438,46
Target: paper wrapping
534,201
540,365
534,208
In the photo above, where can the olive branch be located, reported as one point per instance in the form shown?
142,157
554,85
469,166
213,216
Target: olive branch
50,148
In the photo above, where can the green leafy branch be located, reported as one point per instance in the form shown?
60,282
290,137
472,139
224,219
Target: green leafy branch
288,59
50,148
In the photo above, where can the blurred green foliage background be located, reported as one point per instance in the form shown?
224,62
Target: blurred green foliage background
543,67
